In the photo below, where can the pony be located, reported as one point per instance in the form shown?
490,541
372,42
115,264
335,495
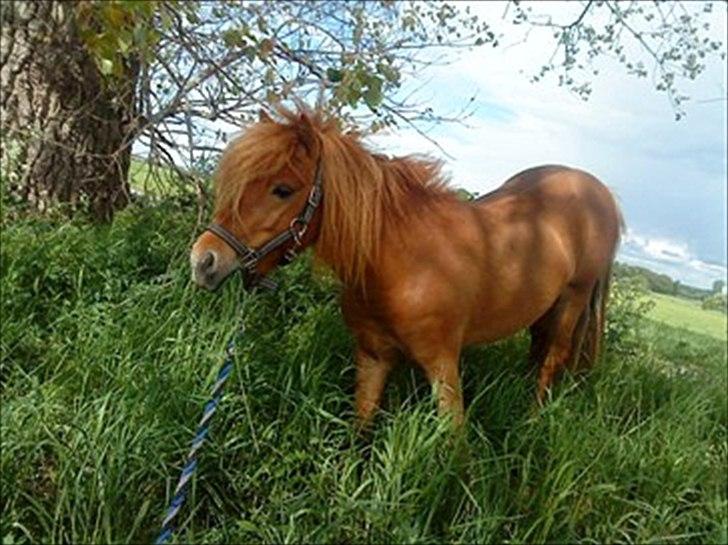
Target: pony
424,272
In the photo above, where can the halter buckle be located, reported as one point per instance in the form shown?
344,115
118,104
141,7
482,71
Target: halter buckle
250,260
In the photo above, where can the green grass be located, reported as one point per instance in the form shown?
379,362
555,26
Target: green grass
687,314
156,182
108,352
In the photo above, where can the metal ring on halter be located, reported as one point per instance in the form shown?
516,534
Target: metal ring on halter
298,234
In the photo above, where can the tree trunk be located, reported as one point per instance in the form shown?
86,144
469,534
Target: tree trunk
64,132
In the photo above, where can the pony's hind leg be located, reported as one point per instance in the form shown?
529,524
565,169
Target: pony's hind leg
577,357
571,306
541,333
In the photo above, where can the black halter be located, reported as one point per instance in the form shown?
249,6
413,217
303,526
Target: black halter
249,257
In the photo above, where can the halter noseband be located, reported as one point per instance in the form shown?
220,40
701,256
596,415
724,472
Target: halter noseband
250,258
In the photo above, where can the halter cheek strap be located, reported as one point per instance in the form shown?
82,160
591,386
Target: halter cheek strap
250,257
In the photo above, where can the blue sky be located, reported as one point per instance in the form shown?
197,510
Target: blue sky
669,176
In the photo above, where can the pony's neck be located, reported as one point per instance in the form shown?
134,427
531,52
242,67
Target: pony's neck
368,197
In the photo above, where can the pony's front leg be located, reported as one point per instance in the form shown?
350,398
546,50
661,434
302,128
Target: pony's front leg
444,375
372,370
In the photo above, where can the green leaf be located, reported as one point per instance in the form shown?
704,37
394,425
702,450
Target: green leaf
250,52
373,94
106,66
124,45
192,17
334,75
231,37
390,73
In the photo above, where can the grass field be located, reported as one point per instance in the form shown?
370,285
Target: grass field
108,352
687,314
158,182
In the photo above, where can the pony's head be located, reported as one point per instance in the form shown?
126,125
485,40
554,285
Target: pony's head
262,184
264,180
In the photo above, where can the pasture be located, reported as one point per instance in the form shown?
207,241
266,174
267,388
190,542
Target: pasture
108,352
687,314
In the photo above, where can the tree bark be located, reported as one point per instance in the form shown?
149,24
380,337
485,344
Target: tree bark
65,136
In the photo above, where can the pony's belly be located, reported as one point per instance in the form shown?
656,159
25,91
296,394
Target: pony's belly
491,323
488,331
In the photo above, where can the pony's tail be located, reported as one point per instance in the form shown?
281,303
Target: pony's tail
590,327
597,308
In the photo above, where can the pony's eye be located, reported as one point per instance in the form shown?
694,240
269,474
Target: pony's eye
282,191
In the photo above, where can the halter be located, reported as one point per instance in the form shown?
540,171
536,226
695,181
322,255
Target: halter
250,257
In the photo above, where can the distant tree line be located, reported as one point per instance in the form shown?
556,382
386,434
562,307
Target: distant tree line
713,299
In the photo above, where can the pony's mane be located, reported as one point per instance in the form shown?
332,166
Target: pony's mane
366,195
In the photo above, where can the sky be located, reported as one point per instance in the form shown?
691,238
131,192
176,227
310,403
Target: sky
669,176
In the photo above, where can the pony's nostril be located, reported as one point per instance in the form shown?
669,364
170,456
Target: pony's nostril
207,261
205,267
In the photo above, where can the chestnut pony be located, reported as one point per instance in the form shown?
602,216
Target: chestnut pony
423,272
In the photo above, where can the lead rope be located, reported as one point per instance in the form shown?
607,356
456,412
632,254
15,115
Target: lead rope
180,493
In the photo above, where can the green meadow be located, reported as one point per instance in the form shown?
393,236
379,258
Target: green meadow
160,181
687,314
108,352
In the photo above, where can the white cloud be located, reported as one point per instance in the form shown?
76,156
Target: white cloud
671,257
659,248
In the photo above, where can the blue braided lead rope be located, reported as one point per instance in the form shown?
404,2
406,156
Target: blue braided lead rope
180,493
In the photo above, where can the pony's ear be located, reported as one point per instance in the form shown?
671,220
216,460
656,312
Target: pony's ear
263,116
306,132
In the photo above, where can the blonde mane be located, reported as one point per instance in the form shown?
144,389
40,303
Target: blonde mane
366,195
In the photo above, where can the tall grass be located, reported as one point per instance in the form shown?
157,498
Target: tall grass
108,351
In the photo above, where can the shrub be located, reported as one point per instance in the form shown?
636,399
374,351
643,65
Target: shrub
628,306
716,301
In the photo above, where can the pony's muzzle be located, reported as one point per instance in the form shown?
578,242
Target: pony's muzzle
205,271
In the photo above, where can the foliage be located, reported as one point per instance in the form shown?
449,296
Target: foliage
690,292
115,32
107,352
673,37
661,283
171,78
628,305
220,62
717,301
206,63
465,195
